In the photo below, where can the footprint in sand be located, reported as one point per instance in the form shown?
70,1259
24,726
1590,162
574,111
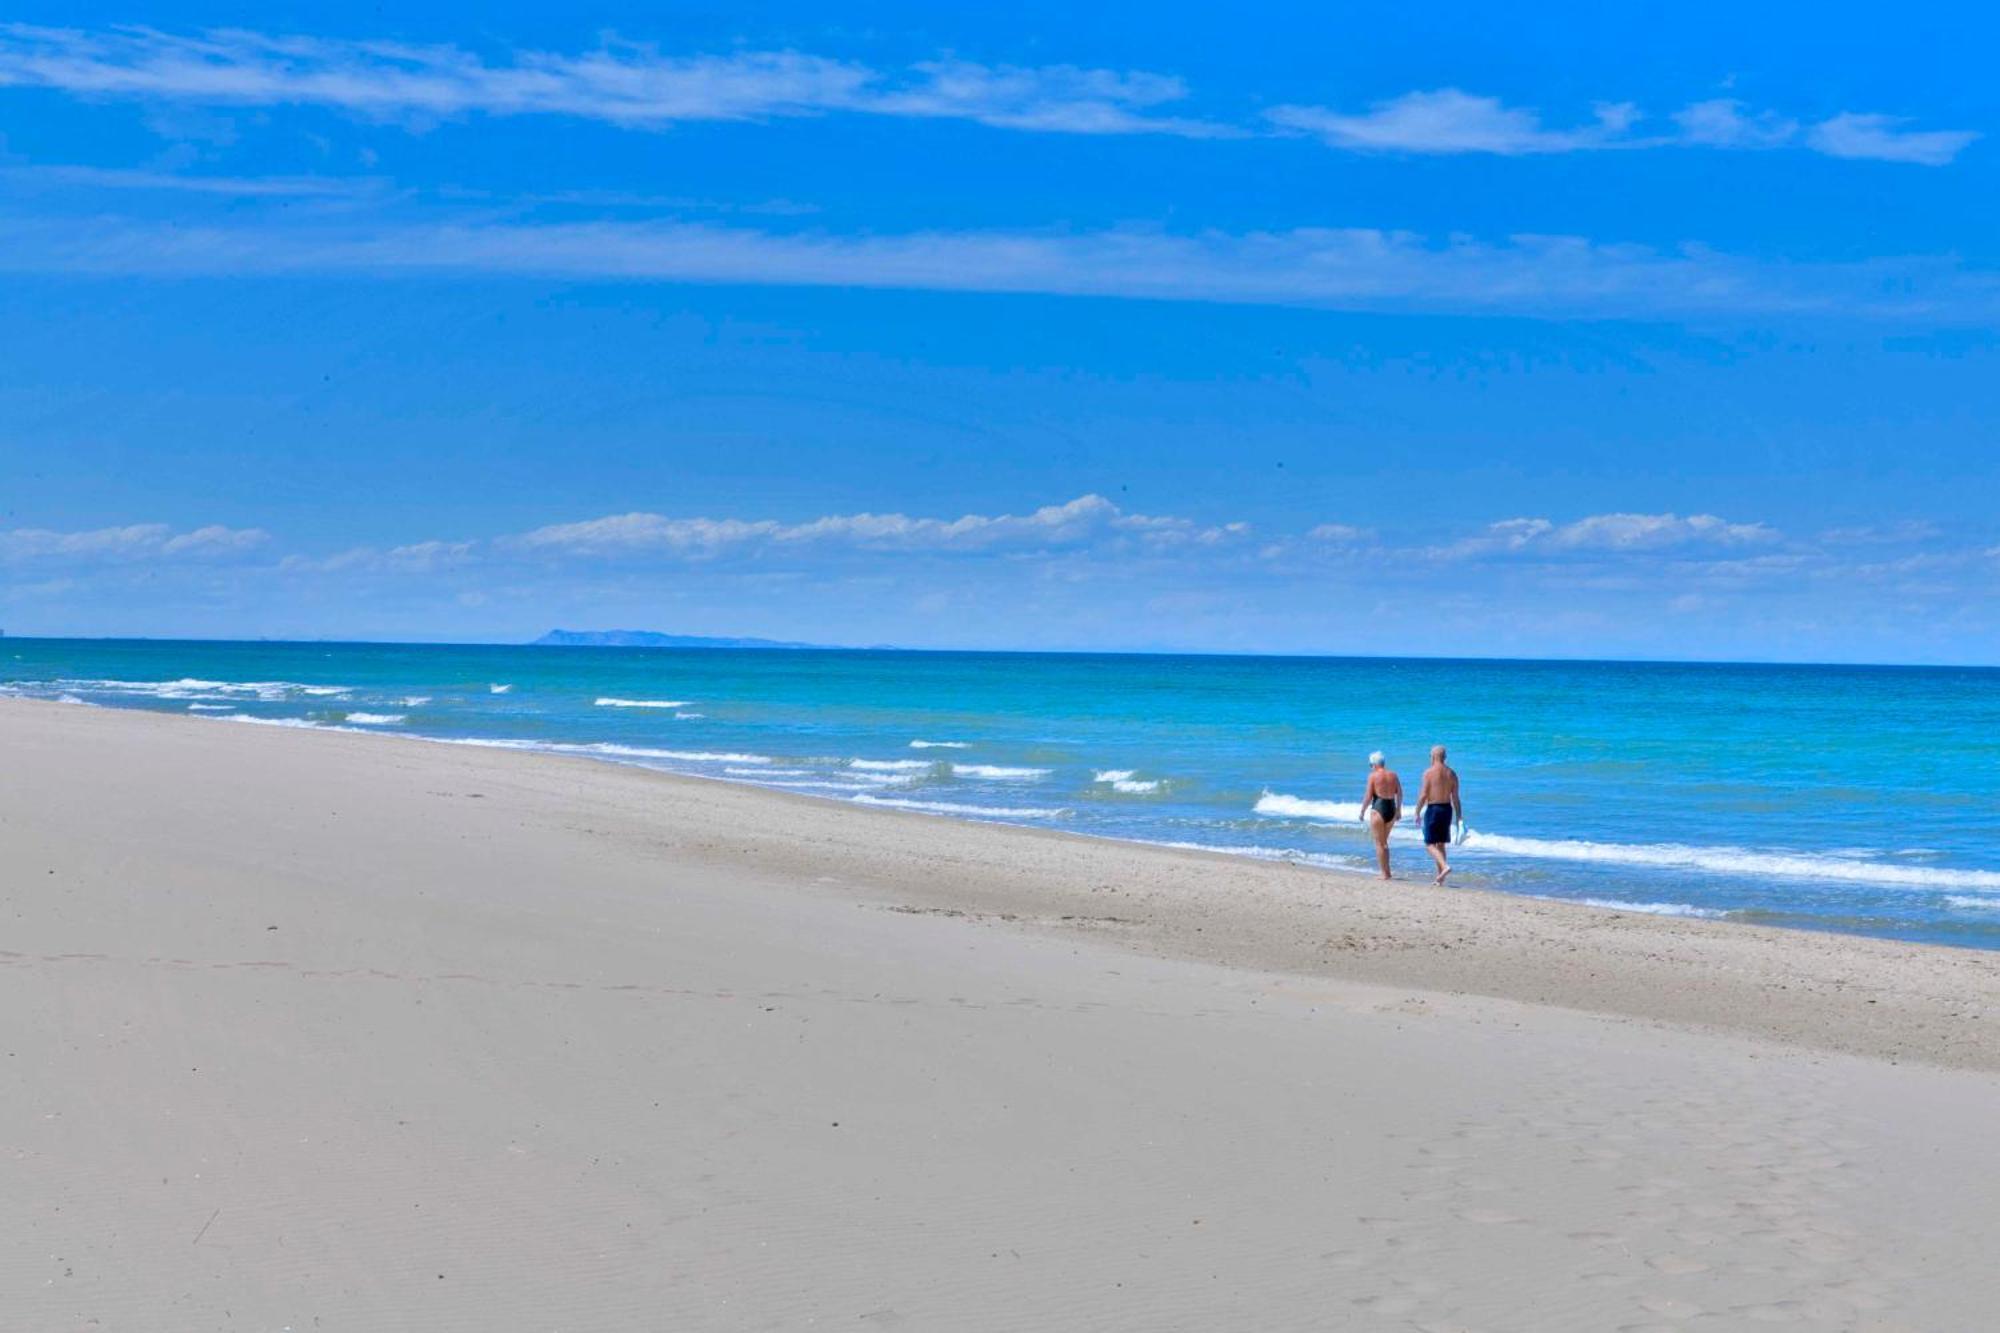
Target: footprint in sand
1676,1265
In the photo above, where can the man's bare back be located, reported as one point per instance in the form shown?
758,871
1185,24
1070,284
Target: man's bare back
1438,809
1439,787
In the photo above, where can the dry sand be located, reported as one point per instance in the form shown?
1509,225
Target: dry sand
307,1030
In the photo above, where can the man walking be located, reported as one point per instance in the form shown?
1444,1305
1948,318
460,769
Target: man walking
1439,808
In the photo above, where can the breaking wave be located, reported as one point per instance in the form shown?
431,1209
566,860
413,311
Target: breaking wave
1295,807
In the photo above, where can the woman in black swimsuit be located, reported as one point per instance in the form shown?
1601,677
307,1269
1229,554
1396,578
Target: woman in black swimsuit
1381,806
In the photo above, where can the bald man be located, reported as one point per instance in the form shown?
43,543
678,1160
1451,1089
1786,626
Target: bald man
1438,809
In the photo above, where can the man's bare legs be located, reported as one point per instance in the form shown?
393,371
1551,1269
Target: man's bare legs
1436,849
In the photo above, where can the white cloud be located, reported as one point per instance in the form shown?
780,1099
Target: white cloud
1882,139
1340,534
1624,532
1087,519
240,187
620,83
1882,534
1606,534
645,532
1060,98
1447,120
1724,122
215,540
427,557
134,541
231,187
1352,268
637,85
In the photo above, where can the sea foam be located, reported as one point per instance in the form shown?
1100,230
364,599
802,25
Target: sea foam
643,703
644,752
939,745
952,808
606,749
1721,860
1733,861
197,687
1650,909
1287,854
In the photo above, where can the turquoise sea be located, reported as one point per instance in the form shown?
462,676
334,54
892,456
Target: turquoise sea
1863,799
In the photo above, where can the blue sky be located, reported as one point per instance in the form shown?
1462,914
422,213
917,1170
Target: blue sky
1668,332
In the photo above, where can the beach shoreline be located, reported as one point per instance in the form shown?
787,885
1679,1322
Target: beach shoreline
308,1025
1676,791
1822,990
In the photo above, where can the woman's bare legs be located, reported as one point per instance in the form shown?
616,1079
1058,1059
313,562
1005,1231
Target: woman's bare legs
1380,828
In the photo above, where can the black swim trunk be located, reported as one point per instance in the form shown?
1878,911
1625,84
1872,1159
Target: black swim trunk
1437,824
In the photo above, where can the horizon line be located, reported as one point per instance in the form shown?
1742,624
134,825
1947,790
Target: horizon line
1584,660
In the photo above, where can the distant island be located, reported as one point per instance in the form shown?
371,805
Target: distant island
645,638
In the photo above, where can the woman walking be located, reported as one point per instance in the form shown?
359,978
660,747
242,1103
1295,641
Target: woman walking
1381,806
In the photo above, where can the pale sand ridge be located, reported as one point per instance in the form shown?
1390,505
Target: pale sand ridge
541,1043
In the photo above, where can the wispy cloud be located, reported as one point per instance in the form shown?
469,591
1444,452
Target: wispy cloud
63,176
1615,547
1340,534
133,541
1884,139
1899,532
1451,121
1086,519
1606,534
1696,562
1060,98
621,83
638,85
1346,268
426,557
1725,122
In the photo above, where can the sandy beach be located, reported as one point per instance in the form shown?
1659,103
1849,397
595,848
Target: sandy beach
313,1030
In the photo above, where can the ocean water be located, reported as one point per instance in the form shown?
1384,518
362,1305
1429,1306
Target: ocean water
1861,799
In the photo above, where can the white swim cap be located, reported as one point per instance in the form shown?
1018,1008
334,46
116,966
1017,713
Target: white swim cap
1375,757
